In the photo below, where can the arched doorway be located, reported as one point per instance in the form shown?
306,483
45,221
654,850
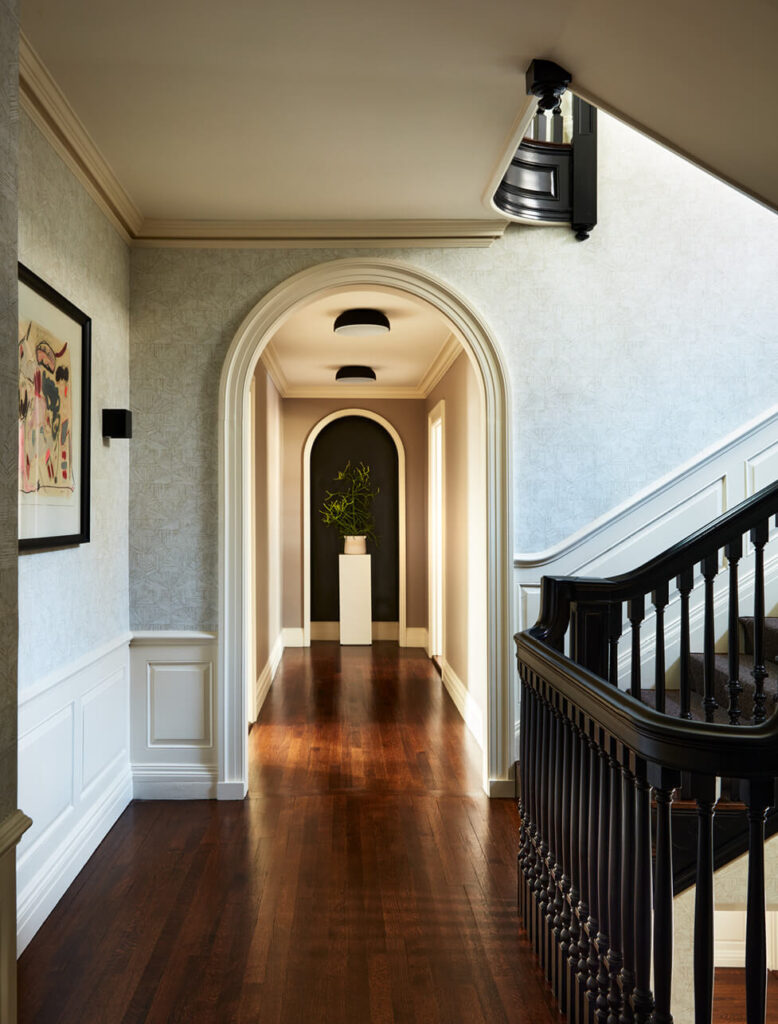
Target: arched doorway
234,504
322,425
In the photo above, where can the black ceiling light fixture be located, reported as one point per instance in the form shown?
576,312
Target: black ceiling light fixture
361,322
356,374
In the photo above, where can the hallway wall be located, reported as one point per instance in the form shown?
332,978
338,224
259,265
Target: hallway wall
66,240
626,354
465,628
408,417
9,392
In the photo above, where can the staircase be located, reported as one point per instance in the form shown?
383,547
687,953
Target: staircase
627,798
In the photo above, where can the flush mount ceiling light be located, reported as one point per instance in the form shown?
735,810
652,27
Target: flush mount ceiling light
361,322
356,374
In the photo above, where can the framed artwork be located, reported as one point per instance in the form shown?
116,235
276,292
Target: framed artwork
54,417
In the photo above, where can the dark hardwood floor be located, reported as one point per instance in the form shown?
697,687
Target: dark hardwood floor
366,878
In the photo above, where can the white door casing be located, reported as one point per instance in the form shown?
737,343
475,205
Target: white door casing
234,503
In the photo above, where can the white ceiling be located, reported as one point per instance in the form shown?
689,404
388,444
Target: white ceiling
304,354
296,110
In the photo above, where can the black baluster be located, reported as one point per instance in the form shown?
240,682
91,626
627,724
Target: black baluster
615,954
758,796
565,881
603,901
636,612
709,567
642,999
665,783
592,926
703,788
614,635
585,824
521,768
659,599
543,879
575,869
555,910
759,537
627,889
556,125
530,861
685,582
734,552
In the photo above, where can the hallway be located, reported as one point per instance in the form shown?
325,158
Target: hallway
367,878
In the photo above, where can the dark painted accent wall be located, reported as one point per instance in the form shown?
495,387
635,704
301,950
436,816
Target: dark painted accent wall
357,439
9,392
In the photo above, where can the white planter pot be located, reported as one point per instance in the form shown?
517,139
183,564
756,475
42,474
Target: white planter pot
354,545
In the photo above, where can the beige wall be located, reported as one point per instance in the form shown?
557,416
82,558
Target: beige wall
464,623
266,430
409,418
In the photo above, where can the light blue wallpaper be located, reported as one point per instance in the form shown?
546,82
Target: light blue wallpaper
80,594
627,354
9,391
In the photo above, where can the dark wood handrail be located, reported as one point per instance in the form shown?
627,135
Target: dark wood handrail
557,592
703,747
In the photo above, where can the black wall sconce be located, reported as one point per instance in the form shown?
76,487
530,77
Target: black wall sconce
117,423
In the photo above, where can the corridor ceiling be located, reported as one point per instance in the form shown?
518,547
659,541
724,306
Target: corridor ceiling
298,110
304,354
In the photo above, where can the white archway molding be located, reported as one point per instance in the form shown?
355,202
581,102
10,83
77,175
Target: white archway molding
234,503
398,443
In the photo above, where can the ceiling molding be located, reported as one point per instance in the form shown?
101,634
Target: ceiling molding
269,359
438,368
330,234
44,101
441,364
46,104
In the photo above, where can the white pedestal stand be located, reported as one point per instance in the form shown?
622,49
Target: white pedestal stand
356,615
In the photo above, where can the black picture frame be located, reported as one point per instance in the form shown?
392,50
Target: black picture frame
44,398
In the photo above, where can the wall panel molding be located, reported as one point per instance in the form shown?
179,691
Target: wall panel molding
173,714
74,775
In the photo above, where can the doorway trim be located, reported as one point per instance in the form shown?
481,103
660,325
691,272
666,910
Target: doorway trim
235,446
309,443
436,532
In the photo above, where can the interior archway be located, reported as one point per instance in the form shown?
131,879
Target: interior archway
234,504
309,443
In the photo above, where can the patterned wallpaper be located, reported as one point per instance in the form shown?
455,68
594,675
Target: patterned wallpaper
627,355
9,389
68,242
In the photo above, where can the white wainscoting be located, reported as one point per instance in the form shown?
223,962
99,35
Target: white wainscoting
711,484
729,929
173,715
74,775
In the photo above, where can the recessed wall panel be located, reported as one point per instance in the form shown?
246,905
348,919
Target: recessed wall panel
180,699
104,711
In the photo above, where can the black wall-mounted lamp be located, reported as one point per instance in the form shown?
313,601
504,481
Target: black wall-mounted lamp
117,423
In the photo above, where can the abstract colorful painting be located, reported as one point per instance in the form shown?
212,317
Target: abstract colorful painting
45,418
54,417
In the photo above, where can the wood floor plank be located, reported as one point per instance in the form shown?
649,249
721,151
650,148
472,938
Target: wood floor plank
366,878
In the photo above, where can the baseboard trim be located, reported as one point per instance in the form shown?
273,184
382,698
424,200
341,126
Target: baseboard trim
464,701
174,782
293,636
51,882
502,789
416,636
231,791
267,675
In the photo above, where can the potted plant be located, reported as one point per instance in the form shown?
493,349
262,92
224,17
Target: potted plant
349,508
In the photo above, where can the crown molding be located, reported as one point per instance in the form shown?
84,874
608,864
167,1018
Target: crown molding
269,359
441,364
46,104
44,101
318,234
436,371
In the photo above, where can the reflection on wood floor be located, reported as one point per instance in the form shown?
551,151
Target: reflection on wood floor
366,878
